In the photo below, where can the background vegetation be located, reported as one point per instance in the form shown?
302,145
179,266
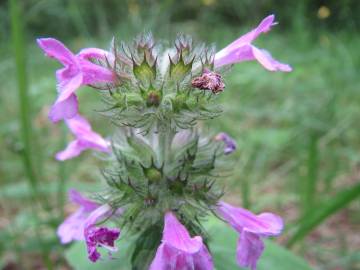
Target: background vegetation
298,133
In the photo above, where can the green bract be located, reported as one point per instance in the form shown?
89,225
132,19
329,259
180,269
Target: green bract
155,84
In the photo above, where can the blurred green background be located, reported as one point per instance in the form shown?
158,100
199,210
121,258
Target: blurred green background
298,133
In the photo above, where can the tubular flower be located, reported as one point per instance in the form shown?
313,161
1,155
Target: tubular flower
73,226
86,138
99,236
251,228
230,144
242,50
77,71
178,251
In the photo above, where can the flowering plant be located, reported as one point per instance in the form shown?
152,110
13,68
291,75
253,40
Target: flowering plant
161,182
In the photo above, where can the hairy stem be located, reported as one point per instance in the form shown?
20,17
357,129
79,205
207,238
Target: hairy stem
165,137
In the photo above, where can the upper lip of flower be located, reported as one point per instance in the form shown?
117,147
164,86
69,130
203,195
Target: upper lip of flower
242,49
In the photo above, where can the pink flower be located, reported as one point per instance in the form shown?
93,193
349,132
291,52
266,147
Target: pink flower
96,237
178,251
242,50
78,71
81,225
72,229
230,144
251,228
85,138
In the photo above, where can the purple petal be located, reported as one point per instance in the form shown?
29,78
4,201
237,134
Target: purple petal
239,54
265,59
99,236
78,125
65,109
66,74
162,258
230,144
98,214
249,249
263,27
178,250
95,53
82,201
72,229
96,74
72,150
78,71
86,138
176,235
203,259
242,50
251,228
102,236
96,142
167,258
265,224
73,226
69,79
55,49
69,86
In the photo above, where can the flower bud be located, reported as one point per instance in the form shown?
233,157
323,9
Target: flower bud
179,102
145,72
153,174
180,69
153,97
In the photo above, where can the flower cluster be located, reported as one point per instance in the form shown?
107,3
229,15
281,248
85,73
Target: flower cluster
161,178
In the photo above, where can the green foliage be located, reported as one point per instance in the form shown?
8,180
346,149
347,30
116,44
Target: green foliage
325,210
83,17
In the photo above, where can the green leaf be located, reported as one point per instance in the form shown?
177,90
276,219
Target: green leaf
223,242
325,210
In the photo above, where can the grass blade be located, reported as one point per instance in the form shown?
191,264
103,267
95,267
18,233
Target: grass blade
18,45
310,182
329,208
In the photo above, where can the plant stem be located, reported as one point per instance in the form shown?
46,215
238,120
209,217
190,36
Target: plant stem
165,137
20,63
312,174
18,44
